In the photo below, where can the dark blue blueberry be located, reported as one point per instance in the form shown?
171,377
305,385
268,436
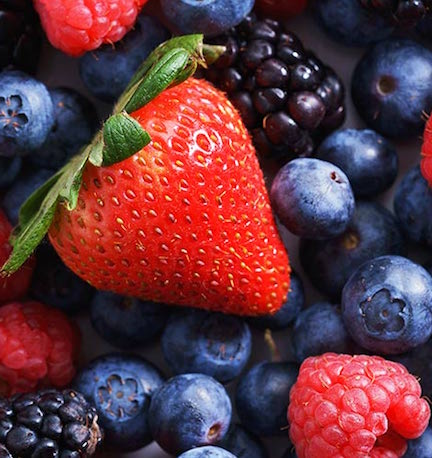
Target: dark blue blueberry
312,198
10,167
26,113
74,126
419,363
243,444
207,452
120,387
23,187
262,397
209,343
320,329
289,311
368,159
54,284
421,447
373,231
209,17
387,305
188,411
348,22
413,207
107,71
392,87
127,322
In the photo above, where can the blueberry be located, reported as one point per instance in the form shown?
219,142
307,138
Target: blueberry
392,87
10,168
243,444
188,411
23,187
26,113
348,22
209,343
368,159
120,387
419,363
421,447
107,71
320,329
74,126
289,311
127,322
373,231
211,17
312,198
387,305
54,284
207,452
262,397
413,207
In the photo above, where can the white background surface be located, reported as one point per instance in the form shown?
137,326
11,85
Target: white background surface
57,69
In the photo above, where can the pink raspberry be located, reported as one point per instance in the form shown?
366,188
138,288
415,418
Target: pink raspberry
344,406
78,26
38,347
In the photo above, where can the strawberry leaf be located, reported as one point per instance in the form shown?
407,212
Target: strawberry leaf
159,77
123,136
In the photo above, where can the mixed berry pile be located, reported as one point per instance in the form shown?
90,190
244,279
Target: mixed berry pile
199,257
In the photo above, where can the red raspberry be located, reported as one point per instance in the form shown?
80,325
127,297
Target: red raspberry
15,286
38,347
344,406
426,164
78,26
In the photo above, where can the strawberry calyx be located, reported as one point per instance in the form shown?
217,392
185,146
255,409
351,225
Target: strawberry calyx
120,137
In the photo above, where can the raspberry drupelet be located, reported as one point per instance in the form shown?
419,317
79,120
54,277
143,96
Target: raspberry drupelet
38,347
345,406
426,164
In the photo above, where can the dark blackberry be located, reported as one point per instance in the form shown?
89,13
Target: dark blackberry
405,13
20,35
48,424
287,97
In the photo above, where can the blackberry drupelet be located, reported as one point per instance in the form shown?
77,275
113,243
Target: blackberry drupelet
405,13
287,97
50,423
20,35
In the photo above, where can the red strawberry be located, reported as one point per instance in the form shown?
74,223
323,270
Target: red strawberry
186,220
280,8
15,286
426,164
78,26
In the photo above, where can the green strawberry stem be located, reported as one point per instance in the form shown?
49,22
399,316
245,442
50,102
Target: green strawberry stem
120,137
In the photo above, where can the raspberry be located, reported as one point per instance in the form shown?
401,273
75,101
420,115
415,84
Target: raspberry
359,406
16,285
38,347
78,26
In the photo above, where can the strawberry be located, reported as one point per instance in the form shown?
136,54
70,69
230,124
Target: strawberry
184,220
426,164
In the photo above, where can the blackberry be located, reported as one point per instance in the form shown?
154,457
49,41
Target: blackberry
20,35
405,13
48,424
287,97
